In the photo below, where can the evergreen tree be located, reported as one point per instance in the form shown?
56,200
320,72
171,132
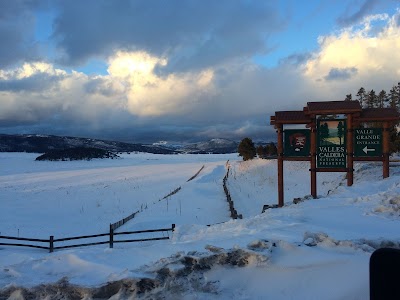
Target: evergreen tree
272,150
246,149
362,96
398,96
324,131
340,131
382,99
371,99
348,98
393,97
261,151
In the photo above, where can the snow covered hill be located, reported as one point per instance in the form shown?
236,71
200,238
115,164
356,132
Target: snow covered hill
316,249
216,146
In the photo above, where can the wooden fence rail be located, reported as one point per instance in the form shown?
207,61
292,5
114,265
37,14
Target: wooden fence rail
51,241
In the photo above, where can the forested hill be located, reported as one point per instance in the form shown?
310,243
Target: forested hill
44,143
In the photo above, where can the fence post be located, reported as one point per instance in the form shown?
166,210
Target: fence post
51,249
173,227
111,236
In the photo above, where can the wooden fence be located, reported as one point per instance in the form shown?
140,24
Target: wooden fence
111,239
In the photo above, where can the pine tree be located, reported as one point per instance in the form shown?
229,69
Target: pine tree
382,99
340,131
348,98
393,97
371,99
323,132
362,96
246,149
398,96
260,151
272,150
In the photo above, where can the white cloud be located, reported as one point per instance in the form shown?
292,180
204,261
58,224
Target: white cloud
64,95
132,85
370,48
29,70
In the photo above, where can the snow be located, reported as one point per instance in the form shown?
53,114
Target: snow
316,249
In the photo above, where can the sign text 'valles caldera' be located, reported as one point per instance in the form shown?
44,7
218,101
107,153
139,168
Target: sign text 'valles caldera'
331,149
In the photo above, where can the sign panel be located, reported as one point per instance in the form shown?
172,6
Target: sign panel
367,142
297,142
331,143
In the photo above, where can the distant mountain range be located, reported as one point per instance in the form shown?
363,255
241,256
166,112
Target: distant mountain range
43,143
217,146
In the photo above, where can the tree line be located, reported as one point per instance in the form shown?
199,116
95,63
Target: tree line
248,150
370,99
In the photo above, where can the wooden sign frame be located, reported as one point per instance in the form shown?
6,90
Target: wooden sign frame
354,115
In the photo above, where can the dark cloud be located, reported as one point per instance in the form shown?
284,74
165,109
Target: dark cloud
19,7
35,83
397,19
192,33
131,130
341,73
17,24
296,59
351,18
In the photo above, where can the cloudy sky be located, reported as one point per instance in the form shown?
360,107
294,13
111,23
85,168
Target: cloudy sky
186,70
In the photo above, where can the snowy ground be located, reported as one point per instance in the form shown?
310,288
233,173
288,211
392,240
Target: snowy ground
317,249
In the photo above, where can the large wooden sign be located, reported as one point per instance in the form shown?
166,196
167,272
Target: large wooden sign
331,143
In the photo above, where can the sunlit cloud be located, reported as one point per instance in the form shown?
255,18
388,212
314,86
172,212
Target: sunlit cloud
29,70
132,85
150,94
357,48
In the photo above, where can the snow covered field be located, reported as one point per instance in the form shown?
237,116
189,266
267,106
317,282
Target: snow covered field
317,249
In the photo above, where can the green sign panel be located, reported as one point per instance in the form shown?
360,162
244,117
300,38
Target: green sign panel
331,143
297,142
367,142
